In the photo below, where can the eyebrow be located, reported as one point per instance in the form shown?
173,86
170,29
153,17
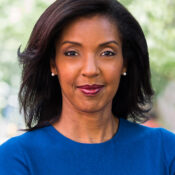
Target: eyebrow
101,45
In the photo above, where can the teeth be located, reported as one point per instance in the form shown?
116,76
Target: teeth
90,90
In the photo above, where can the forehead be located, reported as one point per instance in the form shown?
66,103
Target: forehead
93,27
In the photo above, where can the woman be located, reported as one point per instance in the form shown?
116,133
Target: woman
85,74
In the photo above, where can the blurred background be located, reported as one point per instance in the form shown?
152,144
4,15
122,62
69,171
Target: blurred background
157,19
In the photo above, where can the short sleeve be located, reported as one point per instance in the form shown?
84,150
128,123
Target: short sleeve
12,159
168,139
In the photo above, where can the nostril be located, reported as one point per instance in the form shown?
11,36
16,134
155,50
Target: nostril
90,73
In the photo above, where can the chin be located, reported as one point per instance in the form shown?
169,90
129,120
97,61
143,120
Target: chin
91,108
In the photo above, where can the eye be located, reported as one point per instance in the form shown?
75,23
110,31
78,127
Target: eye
108,53
71,53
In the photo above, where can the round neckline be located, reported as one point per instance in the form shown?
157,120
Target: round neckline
65,139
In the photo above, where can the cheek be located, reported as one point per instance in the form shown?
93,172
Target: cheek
112,75
113,85
67,73
112,72
113,78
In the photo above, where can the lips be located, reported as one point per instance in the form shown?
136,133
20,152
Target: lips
90,90
94,86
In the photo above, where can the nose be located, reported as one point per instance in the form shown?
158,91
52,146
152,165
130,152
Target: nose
90,67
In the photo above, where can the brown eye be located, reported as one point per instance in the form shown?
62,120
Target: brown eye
71,53
108,53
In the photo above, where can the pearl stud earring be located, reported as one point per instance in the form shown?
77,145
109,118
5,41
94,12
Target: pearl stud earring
124,73
52,74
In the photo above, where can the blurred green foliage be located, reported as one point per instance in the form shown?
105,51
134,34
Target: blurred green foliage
157,19
17,19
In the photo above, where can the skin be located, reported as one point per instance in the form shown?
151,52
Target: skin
88,119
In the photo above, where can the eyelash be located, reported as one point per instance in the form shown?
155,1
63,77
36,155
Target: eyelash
110,52
69,53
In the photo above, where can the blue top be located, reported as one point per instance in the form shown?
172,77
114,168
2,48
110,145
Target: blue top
134,150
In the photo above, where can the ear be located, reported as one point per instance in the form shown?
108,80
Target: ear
53,68
124,69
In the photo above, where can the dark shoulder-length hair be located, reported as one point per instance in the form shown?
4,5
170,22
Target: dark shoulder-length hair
40,93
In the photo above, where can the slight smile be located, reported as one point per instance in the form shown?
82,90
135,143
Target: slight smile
90,90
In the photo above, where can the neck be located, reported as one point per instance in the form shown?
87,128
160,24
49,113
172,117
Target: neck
84,127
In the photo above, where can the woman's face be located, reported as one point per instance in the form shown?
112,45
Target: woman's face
89,63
